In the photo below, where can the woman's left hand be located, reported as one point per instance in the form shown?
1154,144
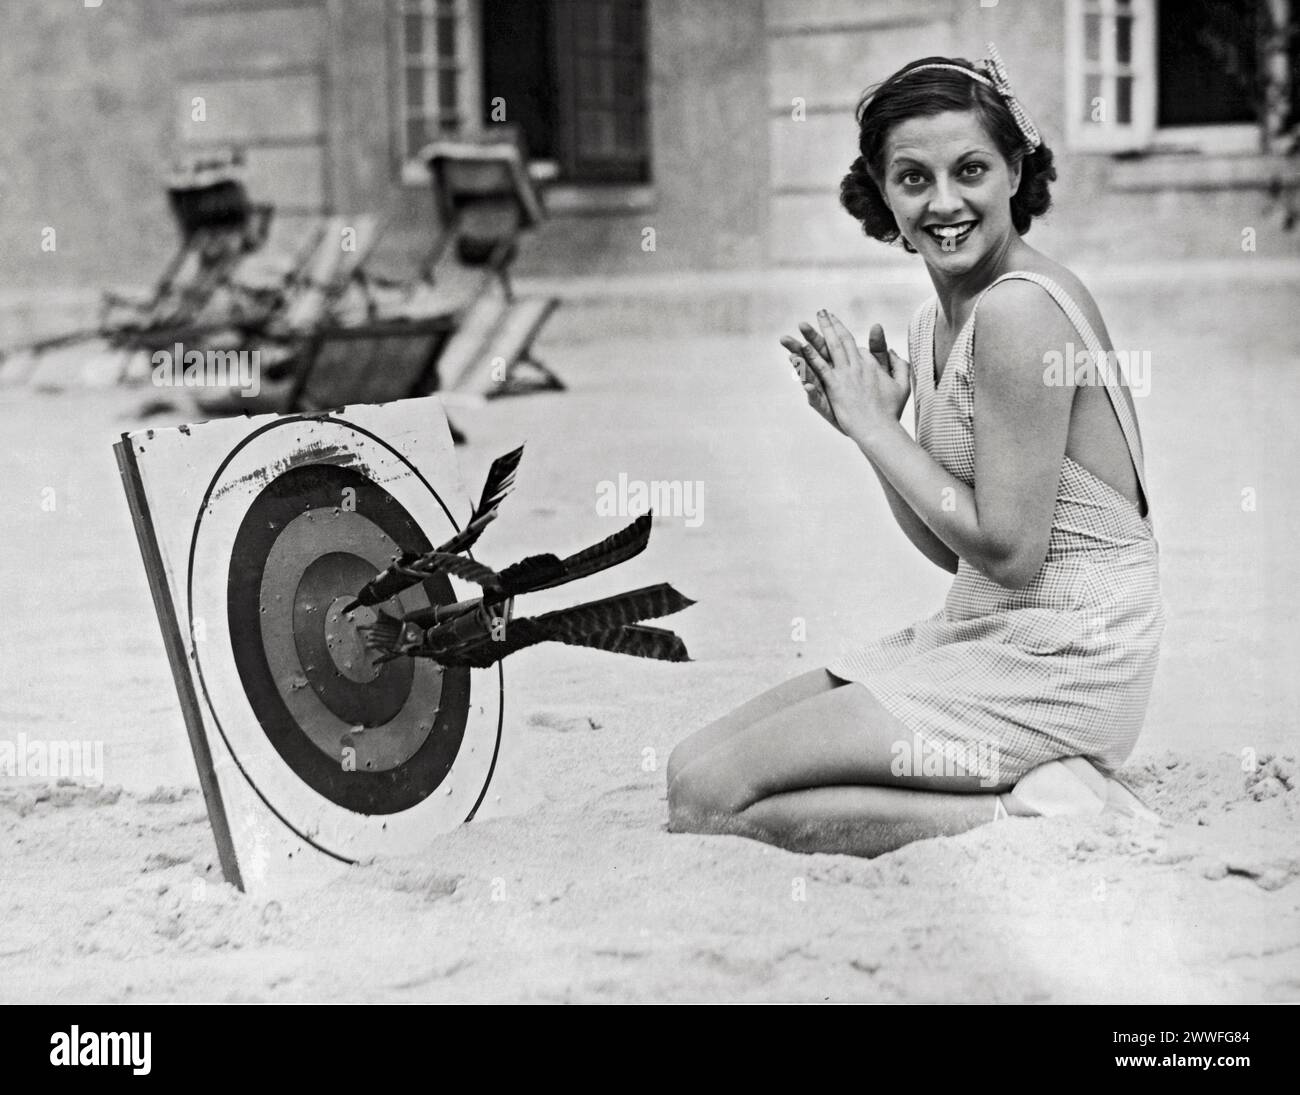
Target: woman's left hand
866,393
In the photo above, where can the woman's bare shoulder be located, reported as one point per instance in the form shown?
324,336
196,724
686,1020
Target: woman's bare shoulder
1038,263
1074,288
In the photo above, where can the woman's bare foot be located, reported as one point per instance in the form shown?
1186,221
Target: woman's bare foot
1071,786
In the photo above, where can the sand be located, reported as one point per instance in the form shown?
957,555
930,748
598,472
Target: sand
571,888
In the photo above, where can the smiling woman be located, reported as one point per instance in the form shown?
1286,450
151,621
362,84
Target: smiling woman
1028,688
949,86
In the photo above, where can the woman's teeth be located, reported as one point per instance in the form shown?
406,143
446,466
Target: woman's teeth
950,234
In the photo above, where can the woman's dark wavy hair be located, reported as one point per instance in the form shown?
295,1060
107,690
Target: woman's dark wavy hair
936,91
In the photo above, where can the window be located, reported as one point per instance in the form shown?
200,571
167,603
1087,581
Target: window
569,75
1207,76
1179,75
438,79
572,74
600,73
1205,57
1109,53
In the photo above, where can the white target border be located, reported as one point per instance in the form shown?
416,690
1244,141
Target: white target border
189,490
326,825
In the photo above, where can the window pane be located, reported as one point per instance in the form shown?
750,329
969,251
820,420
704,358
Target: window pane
629,133
447,98
600,65
626,80
1207,64
1124,100
1092,37
446,37
1091,95
604,14
414,35
626,29
1124,40
584,22
415,89
415,135
595,132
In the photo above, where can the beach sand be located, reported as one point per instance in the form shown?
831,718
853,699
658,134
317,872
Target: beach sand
569,887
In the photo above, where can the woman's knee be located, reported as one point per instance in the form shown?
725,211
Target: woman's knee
703,796
699,800
676,762
685,802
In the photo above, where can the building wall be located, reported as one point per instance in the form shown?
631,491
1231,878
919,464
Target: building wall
821,56
709,153
1151,208
86,129
98,100
102,99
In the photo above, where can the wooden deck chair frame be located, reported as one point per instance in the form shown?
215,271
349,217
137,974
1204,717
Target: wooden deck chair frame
496,169
321,273
240,228
414,375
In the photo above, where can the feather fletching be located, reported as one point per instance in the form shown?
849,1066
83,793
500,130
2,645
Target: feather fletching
500,478
618,548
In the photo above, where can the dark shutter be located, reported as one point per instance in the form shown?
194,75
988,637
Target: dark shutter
600,68
1207,56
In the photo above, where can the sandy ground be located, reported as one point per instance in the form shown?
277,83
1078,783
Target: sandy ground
572,889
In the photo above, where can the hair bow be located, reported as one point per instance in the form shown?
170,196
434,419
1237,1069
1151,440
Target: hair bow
996,70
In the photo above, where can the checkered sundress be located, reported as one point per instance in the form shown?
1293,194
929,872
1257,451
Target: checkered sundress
1060,668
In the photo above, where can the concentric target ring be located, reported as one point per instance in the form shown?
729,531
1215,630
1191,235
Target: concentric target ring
355,759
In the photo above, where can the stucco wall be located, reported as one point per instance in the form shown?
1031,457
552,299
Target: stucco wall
86,127
96,102
828,51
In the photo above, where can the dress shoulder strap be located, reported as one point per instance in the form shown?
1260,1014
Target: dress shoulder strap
1106,364
916,343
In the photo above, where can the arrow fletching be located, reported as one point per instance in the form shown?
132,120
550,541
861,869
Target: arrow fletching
500,478
618,548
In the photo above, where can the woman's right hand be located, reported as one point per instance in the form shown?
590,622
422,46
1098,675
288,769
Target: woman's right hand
800,353
801,358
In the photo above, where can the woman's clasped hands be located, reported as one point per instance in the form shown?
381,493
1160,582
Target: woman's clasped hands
858,392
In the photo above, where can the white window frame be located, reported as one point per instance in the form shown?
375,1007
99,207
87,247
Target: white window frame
1142,135
469,89
1110,135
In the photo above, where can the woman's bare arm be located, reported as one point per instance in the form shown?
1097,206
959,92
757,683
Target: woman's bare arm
925,541
1002,525
916,530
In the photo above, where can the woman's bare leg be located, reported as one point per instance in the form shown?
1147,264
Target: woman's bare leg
760,707
822,775
865,821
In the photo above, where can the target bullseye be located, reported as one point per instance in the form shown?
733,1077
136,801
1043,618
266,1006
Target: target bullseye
345,642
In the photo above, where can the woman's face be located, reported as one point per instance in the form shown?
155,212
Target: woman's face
949,189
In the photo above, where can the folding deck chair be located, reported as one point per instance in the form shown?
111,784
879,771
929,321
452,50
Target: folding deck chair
485,200
286,338
376,362
218,227
460,326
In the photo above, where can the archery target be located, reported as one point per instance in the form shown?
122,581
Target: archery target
354,759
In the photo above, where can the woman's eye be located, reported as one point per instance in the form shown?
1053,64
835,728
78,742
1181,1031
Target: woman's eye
912,178
972,170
